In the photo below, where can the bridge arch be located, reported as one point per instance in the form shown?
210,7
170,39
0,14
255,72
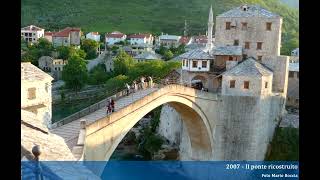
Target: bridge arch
104,135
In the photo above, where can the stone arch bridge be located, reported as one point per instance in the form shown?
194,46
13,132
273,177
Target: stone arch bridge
219,127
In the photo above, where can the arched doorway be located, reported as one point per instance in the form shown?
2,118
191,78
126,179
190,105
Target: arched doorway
199,82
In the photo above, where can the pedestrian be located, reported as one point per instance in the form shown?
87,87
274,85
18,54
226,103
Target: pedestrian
150,82
142,82
108,107
128,89
112,105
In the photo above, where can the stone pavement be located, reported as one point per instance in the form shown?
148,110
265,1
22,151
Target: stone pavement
71,130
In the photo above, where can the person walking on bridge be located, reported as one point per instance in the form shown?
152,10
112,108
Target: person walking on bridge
108,107
128,89
112,105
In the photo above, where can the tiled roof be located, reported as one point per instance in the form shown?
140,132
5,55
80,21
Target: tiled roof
249,67
148,56
184,40
66,31
141,36
34,133
32,28
194,46
196,54
227,50
294,67
115,34
202,39
49,33
29,72
251,11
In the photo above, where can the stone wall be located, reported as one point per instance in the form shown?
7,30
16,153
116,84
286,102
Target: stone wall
280,66
41,105
243,128
255,32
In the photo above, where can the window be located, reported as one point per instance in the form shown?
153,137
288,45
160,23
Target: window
230,58
246,84
183,62
66,41
260,58
228,25
232,83
244,26
31,93
244,56
268,26
298,75
204,64
194,64
266,85
259,45
297,100
236,42
291,74
247,45
187,63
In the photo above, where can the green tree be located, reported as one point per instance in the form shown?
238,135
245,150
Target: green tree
168,55
98,75
123,63
117,82
90,47
75,73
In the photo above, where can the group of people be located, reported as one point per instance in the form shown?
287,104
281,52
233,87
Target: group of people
110,106
142,84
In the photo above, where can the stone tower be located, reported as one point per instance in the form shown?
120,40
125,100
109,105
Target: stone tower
210,27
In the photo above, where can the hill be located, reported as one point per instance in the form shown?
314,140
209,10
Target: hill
291,3
154,16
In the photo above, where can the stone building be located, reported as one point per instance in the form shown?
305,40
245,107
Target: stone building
147,56
243,66
32,33
249,78
36,92
256,29
53,150
67,37
52,66
293,85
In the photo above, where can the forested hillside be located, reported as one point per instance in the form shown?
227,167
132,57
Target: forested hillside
154,16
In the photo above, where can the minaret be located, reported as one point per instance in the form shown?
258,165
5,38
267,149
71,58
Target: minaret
210,27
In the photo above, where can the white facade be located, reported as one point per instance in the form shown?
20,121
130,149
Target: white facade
36,92
32,33
140,39
196,65
114,37
93,36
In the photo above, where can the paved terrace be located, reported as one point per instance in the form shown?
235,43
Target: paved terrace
70,131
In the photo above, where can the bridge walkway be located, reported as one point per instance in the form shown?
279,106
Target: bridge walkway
70,131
